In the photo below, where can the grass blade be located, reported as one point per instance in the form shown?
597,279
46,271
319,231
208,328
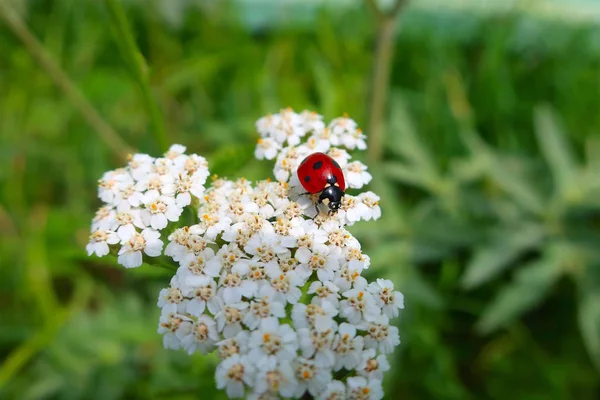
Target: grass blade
62,80
138,68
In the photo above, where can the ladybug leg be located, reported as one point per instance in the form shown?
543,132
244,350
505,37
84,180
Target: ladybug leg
318,212
317,209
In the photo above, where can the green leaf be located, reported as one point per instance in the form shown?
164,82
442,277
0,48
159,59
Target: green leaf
405,141
469,169
555,148
430,227
588,312
532,283
592,153
407,174
391,204
230,159
324,78
418,290
515,185
198,68
389,255
389,260
503,173
588,317
504,248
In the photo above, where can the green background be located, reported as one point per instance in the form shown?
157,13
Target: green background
490,186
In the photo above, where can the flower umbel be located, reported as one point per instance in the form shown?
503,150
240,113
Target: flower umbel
276,289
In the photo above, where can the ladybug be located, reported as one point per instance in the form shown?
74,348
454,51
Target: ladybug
319,173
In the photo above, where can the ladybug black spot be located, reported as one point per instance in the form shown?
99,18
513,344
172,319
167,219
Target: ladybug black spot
318,165
336,164
307,178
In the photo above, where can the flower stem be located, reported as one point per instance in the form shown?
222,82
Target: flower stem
384,51
138,68
62,80
164,265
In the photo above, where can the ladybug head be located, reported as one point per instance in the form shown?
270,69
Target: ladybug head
334,206
333,195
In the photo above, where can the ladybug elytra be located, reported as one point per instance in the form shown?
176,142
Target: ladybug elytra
319,173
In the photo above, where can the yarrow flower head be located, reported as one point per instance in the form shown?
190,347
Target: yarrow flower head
270,282
140,201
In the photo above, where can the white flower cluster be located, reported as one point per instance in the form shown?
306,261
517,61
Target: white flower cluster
279,294
289,128
141,199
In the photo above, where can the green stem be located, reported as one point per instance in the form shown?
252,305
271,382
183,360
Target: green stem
384,51
138,68
168,267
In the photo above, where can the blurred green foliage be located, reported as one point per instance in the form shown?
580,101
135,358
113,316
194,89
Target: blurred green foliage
490,195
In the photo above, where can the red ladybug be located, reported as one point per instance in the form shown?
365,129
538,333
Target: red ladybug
319,173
